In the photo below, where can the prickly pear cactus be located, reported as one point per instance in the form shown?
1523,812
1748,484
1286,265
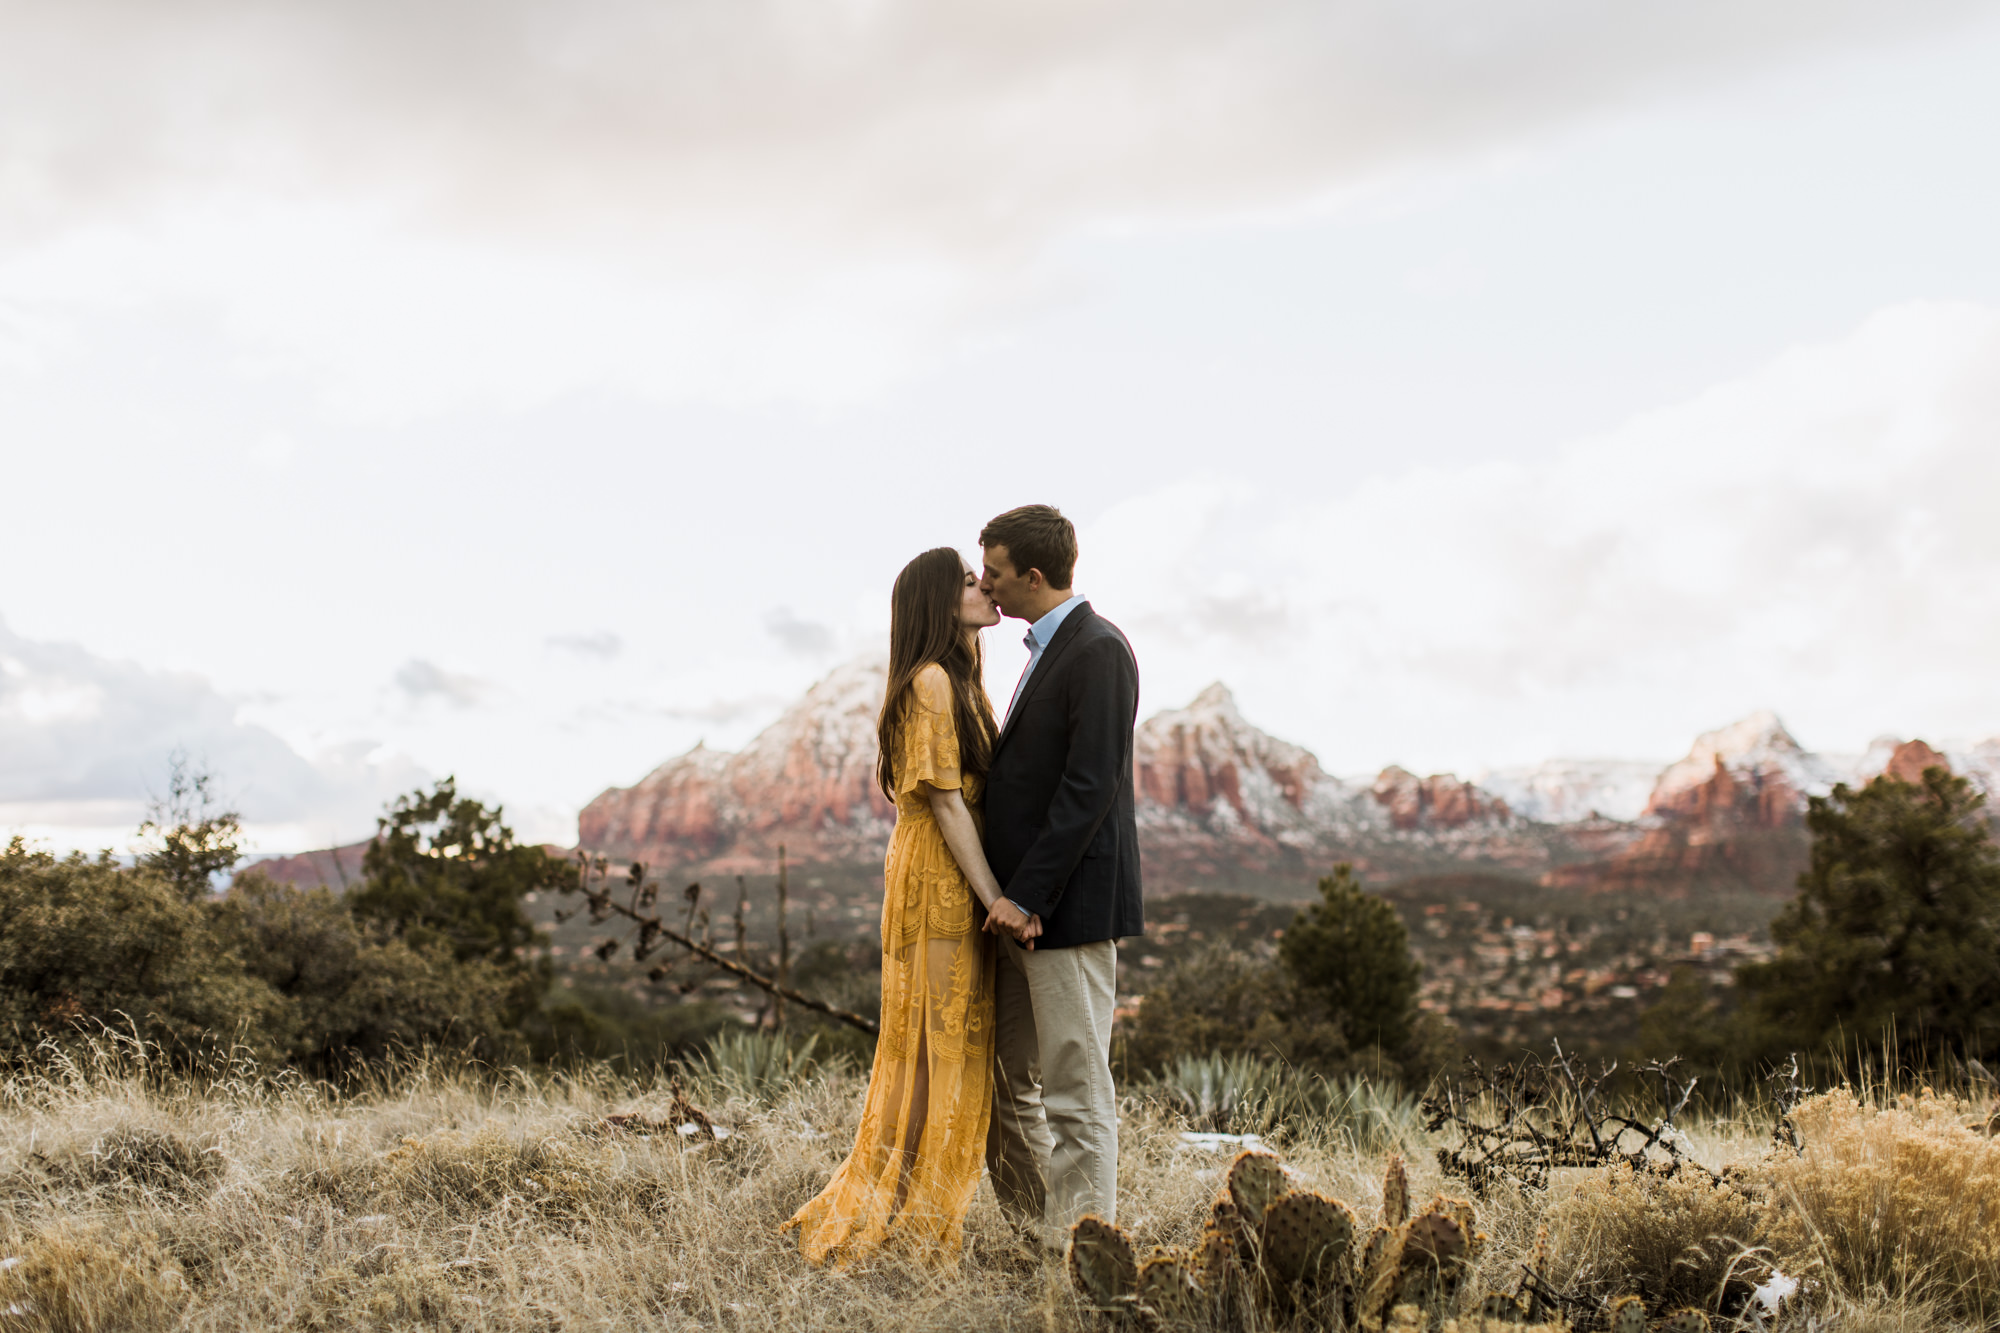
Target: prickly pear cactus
1628,1315
1256,1181
1406,1319
1102,1265
1436,1239
1306,1239
1500,1308
1689,1320
1167,1288
1226,1219
1395,1192
1219,1268
1375,1275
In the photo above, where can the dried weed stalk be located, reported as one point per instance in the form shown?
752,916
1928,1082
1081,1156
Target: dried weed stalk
1521,1120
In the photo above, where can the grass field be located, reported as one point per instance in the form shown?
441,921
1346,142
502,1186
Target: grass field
433,1199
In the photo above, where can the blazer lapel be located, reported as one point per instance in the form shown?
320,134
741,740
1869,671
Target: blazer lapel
1065,634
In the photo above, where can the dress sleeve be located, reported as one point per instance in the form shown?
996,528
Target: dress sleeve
928,743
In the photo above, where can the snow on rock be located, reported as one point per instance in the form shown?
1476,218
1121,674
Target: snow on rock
1754,761
1564,791
1205,775
807,781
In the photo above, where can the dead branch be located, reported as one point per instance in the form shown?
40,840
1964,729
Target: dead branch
599,893
1520,1121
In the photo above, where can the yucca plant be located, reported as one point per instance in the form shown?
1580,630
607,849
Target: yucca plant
755,1063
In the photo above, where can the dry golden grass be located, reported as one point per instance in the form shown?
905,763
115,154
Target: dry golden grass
1681,1240
1899,1201
129,1201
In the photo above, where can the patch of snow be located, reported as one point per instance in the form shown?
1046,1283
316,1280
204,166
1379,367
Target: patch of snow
1776,1290
1562,791
1220,1142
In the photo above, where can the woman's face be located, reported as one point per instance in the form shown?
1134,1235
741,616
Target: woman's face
975,608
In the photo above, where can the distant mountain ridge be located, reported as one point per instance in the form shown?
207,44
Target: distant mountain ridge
1222,802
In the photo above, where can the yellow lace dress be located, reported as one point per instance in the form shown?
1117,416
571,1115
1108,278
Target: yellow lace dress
917,1159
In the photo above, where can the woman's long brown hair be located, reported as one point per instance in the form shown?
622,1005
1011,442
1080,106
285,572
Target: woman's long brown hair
924,628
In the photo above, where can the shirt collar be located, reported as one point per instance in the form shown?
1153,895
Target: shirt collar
1045,629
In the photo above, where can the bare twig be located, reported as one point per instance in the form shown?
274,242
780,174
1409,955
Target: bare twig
1521,1121
598,891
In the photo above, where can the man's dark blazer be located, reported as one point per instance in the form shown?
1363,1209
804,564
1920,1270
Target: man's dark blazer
1061,834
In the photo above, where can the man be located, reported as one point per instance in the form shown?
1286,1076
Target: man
1064,844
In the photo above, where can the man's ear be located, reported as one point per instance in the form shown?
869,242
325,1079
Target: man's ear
1034,579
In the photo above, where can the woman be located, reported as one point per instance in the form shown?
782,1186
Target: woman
918,1157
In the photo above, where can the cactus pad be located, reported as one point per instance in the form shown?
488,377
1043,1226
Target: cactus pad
1395,1192
1500,1308
1101,1263
1167,1287
1225,1219
1628,1315
1218,1265
1306,1239
1689,1320
1436,1238
1256,1181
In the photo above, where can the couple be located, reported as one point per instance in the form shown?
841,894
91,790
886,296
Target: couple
995,1038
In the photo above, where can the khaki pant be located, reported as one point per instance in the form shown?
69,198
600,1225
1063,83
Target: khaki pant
1053,1145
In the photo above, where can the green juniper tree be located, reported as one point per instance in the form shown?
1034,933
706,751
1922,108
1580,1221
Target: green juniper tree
1351,953
1894,938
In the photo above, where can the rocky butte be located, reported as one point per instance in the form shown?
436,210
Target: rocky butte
1224,804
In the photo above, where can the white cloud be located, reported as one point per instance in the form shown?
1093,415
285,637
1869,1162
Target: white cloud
1816,537
85,744
422,681
738,200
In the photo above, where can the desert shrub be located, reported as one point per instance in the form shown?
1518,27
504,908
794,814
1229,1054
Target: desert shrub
444,872
580,1024
74,1277
140,1159
1897,1200
197,838
1679,1239
1222,1000
88,942
354,994
1338,998
456,1173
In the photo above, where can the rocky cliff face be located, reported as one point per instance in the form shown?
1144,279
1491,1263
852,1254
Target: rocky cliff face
1731,814
1221,801
807,782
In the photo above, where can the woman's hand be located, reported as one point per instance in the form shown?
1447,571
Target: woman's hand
1004,916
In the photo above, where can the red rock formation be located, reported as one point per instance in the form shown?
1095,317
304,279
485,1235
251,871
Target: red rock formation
1910,760
1439,801
1729,815
335,867
807,782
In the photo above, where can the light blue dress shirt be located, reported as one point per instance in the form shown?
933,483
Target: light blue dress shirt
1037,639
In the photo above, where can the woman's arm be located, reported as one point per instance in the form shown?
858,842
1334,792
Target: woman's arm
962,837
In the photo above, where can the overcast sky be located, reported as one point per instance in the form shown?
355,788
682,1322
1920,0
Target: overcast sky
526,391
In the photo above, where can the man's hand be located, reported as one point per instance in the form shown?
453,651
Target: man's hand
1003,916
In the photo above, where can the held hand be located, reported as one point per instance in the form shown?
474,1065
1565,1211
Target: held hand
1033,931
1003,916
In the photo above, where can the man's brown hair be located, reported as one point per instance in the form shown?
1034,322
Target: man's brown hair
1036,537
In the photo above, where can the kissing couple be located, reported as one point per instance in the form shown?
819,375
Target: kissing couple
1012,873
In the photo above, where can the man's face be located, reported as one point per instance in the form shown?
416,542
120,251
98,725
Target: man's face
1009,590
